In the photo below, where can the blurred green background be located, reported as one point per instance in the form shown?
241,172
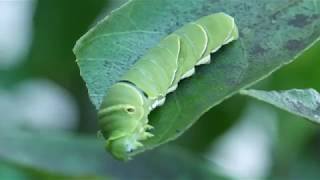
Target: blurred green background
41,91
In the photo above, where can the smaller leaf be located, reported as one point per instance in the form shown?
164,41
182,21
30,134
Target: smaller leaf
302,102
82,157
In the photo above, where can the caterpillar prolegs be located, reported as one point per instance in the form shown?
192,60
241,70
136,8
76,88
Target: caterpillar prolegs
123,116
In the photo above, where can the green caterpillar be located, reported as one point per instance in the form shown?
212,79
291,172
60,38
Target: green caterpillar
123,116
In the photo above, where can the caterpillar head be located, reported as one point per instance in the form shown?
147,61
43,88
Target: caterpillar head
123,119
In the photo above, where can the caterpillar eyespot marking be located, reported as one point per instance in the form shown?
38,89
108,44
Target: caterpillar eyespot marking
123,115
130,110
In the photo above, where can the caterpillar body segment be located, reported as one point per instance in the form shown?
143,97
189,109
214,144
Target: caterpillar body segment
123,115
158,65
220,29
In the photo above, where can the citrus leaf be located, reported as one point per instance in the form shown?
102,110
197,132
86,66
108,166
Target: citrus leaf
272,34
301,102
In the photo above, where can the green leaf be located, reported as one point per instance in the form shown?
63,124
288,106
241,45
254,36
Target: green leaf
83,156
302,102
10,172
16,171
272,34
